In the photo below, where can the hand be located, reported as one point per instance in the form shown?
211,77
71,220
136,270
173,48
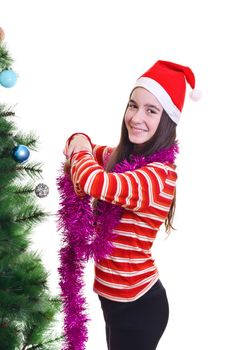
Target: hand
78,143
67,167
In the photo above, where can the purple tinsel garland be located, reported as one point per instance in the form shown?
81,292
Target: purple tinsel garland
87,234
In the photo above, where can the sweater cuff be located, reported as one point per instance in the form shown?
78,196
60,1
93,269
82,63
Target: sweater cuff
78,133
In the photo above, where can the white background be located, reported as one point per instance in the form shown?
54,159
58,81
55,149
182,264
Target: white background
77,62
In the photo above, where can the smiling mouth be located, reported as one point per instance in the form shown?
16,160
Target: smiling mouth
137,129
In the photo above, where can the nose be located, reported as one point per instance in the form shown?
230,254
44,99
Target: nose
137,117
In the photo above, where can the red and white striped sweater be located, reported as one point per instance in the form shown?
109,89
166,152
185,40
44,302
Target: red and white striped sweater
146,195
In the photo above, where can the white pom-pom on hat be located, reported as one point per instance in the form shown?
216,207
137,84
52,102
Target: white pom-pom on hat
195,95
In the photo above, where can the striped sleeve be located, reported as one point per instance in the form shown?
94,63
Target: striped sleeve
135,190
99,152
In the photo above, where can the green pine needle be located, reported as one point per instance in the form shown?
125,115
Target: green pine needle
33,169
5,58
7,129
43,346
31,215
23,190
6,111
30,140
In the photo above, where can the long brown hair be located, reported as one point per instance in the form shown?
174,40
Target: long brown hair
164,137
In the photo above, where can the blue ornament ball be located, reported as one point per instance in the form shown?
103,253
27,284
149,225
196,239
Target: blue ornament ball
8,78
20,153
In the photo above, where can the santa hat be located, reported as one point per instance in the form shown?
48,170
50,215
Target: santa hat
167,82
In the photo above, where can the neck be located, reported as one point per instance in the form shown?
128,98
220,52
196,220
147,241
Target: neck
137,149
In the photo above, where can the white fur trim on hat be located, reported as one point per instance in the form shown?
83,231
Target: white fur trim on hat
161,94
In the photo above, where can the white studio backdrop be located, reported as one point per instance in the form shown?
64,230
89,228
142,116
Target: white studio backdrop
77,62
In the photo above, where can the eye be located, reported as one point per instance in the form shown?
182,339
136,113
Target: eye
131,105
151,111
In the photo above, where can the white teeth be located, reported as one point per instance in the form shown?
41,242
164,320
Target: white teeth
138,129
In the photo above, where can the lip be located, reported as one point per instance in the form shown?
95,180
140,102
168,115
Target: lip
137,129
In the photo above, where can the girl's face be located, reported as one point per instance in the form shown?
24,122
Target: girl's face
142,116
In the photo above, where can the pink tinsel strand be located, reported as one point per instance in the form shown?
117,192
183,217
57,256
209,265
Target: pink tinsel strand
73,215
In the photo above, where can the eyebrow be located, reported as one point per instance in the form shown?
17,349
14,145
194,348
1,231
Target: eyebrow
146,105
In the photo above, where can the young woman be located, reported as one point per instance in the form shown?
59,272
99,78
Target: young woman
138,177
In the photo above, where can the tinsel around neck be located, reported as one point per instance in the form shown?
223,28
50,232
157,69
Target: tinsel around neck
164,155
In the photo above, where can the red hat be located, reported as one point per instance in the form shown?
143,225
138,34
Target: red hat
167,82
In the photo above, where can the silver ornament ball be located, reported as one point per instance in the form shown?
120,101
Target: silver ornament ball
41,190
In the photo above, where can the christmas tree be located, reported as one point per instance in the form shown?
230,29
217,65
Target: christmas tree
27,311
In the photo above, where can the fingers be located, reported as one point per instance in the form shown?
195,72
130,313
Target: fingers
81,194
77,143
67,167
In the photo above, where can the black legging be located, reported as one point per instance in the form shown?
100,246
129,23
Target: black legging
136,325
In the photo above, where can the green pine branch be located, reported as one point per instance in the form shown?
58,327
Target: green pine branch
30,140
23,190
11,171
27,311
43,346
5,58
6,111
33,169
31,215
8,130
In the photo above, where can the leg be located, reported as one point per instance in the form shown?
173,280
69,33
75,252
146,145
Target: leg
136,325
127,339
150,319
107,336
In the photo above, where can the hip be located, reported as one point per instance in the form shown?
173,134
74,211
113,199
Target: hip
150,308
